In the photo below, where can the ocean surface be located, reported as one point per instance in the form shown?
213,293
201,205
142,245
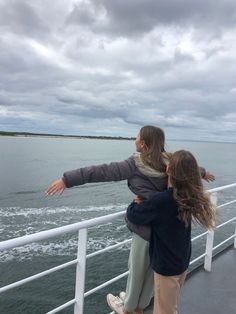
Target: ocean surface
28,165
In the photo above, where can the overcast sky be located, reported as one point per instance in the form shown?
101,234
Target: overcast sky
107,67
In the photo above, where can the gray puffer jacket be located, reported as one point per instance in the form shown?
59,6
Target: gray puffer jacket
142,179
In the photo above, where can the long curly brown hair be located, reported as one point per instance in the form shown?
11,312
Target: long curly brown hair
153,152
185,178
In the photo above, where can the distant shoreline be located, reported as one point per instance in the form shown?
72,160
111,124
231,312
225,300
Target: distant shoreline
43,135
26,134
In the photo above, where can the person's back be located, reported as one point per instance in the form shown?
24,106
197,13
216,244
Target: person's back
146,181
170,241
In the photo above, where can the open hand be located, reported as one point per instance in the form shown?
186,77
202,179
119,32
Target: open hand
209,177
57,186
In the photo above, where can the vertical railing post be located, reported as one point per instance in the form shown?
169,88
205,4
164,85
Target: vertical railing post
210,239
80,272
209,247
235,237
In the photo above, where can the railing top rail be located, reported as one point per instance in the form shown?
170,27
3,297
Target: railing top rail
220,188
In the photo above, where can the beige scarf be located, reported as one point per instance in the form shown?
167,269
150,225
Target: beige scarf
147,170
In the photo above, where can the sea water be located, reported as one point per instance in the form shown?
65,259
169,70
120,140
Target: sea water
27,166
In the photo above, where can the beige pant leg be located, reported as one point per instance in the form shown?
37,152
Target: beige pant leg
166,293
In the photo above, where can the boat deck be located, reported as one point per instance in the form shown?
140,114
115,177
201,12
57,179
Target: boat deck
211,292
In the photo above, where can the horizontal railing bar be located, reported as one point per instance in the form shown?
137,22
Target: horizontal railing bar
44,235
225,204
220,188
111,247
223,242
198,258
225,223
105,284
37,276
62,307
51,270
199,236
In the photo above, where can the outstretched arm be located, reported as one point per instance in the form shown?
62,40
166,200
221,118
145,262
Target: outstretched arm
115,171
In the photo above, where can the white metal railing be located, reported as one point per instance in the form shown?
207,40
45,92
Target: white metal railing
80,261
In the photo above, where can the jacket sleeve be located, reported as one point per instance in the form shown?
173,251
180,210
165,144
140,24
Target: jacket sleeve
115,171
202,171
145,212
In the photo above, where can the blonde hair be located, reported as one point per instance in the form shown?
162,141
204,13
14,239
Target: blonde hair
193,203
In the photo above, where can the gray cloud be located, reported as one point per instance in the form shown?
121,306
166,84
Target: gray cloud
135,17
108,67
20,17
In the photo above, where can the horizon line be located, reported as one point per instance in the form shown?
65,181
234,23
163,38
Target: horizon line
33,134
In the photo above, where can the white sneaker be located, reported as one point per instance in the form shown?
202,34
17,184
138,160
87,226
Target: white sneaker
122,296
115,303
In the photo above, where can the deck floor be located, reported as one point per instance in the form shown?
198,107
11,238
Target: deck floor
210,292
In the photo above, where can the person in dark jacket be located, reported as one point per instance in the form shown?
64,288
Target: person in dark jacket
170,214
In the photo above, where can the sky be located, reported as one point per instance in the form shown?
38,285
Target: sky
108,67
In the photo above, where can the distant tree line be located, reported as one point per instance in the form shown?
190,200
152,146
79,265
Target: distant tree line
5,133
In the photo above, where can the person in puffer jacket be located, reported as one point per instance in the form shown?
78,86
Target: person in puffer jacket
145,172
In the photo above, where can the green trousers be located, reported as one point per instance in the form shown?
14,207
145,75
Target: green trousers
140,283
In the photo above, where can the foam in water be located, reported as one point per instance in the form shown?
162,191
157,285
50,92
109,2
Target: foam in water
45,219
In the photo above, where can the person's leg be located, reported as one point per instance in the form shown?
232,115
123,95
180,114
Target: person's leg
147,292
166,293
139,264
181,279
